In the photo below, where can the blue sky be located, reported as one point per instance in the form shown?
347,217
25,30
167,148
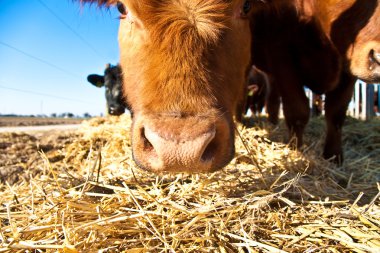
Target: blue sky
47,49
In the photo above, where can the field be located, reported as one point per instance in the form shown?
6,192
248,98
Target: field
80,191
36,121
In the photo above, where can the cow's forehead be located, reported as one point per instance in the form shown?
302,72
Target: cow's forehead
174,17
112,70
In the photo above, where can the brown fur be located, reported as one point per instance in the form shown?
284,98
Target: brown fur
175,57
185,62
320,44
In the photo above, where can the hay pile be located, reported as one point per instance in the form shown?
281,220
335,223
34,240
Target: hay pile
268,199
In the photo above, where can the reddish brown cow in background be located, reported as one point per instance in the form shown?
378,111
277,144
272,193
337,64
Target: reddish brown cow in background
322,45
316,105
258,85
186,63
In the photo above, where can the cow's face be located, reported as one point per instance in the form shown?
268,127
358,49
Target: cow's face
114,90
186,63
112,82
365,51
356,32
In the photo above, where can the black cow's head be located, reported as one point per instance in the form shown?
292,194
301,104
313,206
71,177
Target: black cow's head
112,81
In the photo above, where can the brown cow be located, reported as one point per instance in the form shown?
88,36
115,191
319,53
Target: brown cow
316,105
322,45
186,63
258,85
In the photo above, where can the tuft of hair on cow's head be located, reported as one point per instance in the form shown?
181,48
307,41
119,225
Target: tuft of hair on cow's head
184,64
100,2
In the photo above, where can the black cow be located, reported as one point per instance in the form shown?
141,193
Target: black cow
112,81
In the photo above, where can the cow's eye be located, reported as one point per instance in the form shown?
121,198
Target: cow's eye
247,6
121,8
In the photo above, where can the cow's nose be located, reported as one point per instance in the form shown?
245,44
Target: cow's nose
175,154
375,56
176,144
116,110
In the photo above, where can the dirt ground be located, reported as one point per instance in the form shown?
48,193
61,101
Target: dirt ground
36,121
22,150
22,155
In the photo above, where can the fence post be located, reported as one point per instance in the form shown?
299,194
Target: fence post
377,98
370,101
363,104
356,99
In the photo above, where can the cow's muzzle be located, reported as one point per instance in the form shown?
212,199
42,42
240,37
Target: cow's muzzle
182,144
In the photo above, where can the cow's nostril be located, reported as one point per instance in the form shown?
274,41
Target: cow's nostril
374,56
148,147
111,110
210,151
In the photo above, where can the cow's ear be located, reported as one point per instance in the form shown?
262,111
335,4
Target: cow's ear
96,80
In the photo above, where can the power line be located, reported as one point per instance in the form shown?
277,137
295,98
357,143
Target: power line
38,59
45,95
71,29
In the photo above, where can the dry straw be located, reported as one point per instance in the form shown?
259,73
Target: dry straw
268,199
